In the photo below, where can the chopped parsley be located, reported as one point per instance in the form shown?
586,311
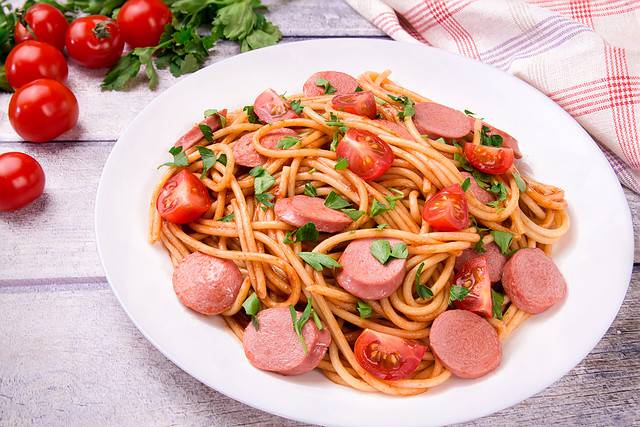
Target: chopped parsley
408,109
298,324
324,83
287,142
251,307
334,201
211,112
306,233
319,261
207,132
522,186
364,309
310,190
296,106
251,115
354,214
382,251
179,158
263,180
208,160
457,293
358,89
228,218
423,291
341,164
465,184
382,226
489,140
497,300
503,240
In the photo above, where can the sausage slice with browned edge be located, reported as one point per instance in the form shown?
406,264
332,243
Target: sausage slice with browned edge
276,347
194,135
343,83
465,343
207,284
245,153
299,210
495,260
532,281
364,276
439,121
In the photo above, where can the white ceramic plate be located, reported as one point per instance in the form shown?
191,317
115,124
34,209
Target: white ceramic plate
596,257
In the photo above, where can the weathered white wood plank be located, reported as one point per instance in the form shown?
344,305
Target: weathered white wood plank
70,356
54,237
104,115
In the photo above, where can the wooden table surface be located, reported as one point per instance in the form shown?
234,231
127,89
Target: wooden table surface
70,356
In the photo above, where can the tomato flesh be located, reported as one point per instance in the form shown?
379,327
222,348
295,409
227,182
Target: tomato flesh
360,103
43,109
369,157
142,22
447,210
491,160
183,199
474,275
94,41
271,107
47,25
386,356
32,60
21,180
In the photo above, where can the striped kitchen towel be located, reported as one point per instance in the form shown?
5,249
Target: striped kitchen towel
583,54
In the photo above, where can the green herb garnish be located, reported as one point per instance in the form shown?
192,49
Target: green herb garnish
319,261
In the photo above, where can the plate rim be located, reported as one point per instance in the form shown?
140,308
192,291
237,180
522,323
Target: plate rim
506,403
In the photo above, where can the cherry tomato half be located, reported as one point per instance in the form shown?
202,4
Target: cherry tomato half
142,21
492,160
386,356
183,199
360,103
94,41
21,180
447,210
46,23
32,60
474,275
369,157
271,107
43,109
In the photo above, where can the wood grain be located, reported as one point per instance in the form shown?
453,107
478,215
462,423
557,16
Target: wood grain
57,372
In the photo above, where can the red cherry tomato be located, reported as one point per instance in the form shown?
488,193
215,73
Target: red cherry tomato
32,60
369,157
270,107
360,103
142,21
43,109
94,41
492,160
447,210
21,180
183,199
46,23
474,275
386,356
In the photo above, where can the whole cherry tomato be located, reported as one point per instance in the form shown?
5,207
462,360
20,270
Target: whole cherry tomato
142,21
21,180
45,23
32,60
43,109
94,41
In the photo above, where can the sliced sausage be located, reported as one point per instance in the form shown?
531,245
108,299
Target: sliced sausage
194,135
343,83
206,284
396,128
439,121
275,347
271,107
478,192
246,154
465,343
299,210
364,276
532,281
495,260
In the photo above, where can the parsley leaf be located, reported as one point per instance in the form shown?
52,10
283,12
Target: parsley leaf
465,184
500,190
295,106
310,190
252,117
469,113
265,199
287,142
358,89
334,201
497,300
381,226
522,186
207,132
306,233
221,118
490,140
297,326
364,309
400,251
251,307
341,164
354,214
503,240
262,180
179,158
319,261
479,246
222,158
457,293
382,251
377,208
423,291
324,83
208,160
408,106
228,218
